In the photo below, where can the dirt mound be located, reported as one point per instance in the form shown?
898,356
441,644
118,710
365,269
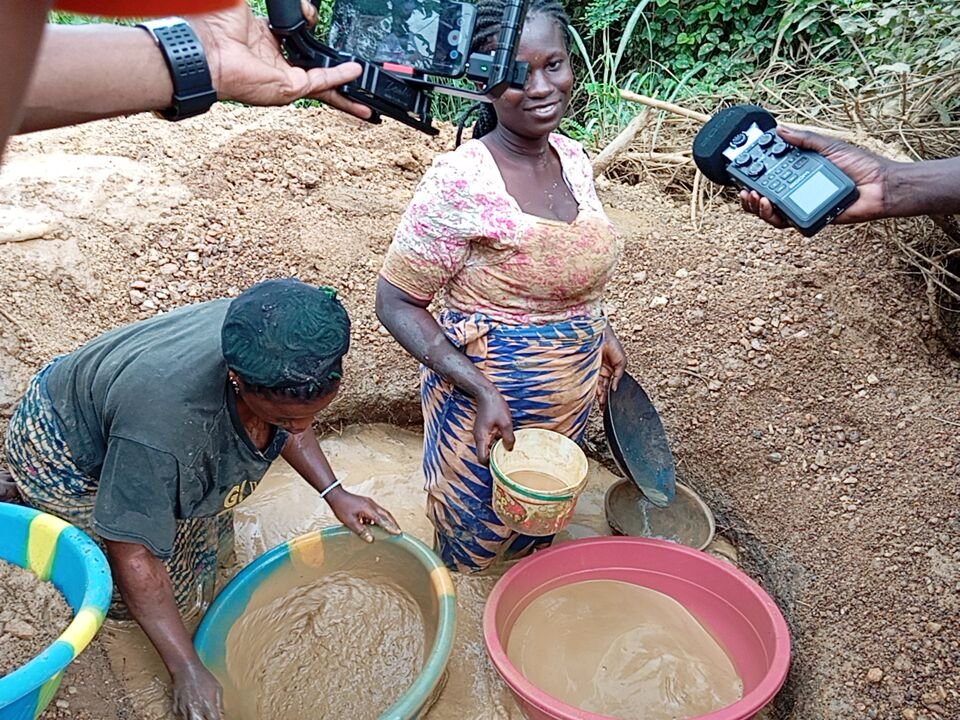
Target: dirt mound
119,220
799,379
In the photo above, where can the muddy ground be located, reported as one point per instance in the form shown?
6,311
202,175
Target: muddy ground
800,380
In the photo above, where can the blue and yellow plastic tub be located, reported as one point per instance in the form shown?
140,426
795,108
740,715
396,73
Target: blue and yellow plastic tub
61,553
309,557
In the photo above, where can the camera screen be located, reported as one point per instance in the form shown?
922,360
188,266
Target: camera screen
813,192
390,31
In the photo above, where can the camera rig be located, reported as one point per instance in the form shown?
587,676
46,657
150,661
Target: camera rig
401,96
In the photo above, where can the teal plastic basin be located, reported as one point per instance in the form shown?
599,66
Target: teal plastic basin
57,551
309,558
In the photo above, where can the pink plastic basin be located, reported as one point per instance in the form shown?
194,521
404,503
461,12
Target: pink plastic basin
737,612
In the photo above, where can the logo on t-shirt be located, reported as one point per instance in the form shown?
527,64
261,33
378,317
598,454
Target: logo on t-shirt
238,493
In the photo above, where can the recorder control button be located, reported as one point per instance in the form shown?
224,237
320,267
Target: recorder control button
780,148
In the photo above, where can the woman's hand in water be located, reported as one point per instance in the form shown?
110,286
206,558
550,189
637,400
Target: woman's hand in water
493,421
613,366
357,512
196,694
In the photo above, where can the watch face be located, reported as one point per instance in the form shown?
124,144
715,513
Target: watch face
145,8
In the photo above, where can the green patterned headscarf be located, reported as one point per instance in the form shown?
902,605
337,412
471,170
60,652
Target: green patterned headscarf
283,334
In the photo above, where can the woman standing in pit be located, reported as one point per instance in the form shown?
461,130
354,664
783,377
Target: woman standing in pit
509,232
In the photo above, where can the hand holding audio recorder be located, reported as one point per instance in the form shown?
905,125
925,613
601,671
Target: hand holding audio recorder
740,146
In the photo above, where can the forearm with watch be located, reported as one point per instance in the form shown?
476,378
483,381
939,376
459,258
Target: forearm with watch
89,72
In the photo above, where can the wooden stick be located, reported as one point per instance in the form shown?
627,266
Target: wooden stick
602,161
694,198
668,158
694,115
662,105
944,420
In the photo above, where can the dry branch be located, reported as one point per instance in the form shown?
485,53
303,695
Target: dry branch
701,117
658,157
663,105
949,225
621,141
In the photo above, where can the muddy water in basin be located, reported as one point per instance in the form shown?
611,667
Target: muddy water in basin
344,647
383,462
614,648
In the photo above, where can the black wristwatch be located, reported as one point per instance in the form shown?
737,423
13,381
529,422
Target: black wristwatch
193,92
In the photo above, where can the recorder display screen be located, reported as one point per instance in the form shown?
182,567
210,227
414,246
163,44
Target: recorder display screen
813,192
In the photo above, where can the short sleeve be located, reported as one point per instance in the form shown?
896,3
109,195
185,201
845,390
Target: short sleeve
460,200
589,196
579,172
433,238
136,498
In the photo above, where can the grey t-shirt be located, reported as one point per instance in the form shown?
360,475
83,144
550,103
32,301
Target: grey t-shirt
147,410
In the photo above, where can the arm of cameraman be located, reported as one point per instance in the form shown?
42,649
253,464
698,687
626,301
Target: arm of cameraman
21,25
887,188
87,72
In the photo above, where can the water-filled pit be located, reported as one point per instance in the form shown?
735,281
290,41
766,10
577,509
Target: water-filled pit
383,462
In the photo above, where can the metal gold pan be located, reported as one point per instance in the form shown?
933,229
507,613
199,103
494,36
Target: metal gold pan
638,442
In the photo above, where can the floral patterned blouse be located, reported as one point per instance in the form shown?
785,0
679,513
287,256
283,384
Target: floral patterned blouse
465,237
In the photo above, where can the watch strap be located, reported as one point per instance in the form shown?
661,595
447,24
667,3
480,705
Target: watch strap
193,91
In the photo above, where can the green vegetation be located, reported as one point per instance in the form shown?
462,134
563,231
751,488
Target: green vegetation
808,57
66,18
881,65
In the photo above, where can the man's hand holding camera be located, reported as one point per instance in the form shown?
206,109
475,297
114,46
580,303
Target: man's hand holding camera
247,66
88,72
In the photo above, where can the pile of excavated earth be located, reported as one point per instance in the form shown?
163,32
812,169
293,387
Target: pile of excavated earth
800,380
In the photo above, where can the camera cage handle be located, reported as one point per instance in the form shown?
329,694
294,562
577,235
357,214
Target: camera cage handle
405,98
